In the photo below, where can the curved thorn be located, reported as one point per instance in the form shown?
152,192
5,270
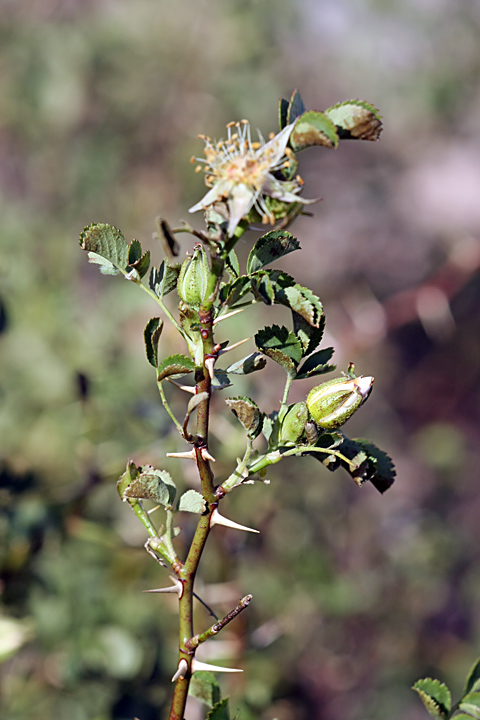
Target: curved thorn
181,670
206,455
197,665
210,365
217,519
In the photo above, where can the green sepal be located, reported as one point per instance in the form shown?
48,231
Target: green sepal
316,364
281,345
313,128
253,362
151,334
296,107
248,413
106,247
164,280
472,683
293,423
148,484
219,711
356,119
205,688
136,261
436,697
192,502
270,247
175,366
471,704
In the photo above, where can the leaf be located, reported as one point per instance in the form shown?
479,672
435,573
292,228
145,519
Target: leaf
381,470
136,260
471,704
262,288
304,302
164,280
220,379
281,345
106,247
195,401
232,264
167,238
248,413
309,336
175,366
205,688
231,293
296,107
270,247
356,119
316,364
191,501
313,128
436,697
253,362
152,484
151,334
219,711
473,678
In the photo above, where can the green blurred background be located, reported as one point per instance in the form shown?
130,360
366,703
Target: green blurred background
356,595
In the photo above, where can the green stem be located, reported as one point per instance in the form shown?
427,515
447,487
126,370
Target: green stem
283,404
238,474
167,407
274,457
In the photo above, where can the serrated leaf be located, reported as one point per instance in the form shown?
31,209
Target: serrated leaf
136,260
309,336
304,302
220,379
313,128
262,288
471,704
282,112
270,247
192,502
281,345
248,413
152,484
232,264
473,678
164,280
106,247
253,362
205,688
436,697
219,711
127,478
381,471
316,364
231,293
151,334
296,107
175,366
356,119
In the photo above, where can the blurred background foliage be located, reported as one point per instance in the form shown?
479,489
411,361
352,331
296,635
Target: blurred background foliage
356,595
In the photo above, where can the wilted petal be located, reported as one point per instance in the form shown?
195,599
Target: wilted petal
218,192
275,189
240,203
274,149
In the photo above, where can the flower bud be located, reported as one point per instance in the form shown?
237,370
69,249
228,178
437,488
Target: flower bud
293,423
193,279
333,402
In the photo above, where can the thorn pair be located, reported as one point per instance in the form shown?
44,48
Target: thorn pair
190,455
197,665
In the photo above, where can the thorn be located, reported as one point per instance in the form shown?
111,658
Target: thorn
228,315
206,455
177,587
217,519
186,388
190,455
197,665
235,345
149,512
181,670
209,364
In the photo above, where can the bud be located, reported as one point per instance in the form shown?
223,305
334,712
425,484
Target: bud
294,423
193,279
333,402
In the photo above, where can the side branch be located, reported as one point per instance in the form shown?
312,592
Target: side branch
195,641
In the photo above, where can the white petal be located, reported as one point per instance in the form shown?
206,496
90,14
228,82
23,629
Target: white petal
219,191
277,144
240,203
